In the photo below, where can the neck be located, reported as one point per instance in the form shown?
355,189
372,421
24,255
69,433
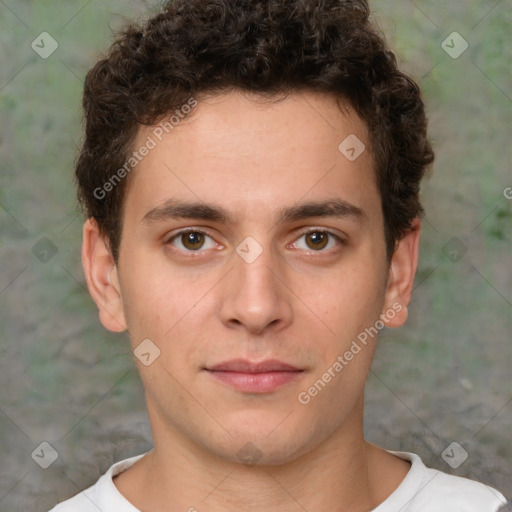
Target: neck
342,473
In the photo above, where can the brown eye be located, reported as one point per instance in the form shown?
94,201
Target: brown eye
317,240
192,240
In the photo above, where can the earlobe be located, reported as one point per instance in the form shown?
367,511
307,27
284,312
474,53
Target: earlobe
102,279
402,271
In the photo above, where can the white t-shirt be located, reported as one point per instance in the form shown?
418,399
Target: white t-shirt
422,490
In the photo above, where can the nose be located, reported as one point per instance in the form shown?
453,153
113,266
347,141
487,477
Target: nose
255,296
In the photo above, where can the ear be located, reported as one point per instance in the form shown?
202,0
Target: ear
102,279
402,270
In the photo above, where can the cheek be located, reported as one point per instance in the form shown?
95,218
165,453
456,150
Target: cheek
349,299
150,291
350,305
169,310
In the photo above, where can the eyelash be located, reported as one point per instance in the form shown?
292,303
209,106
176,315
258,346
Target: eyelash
338,239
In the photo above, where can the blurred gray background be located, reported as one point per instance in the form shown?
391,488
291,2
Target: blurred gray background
443,378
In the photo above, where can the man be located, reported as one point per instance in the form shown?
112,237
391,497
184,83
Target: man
250,174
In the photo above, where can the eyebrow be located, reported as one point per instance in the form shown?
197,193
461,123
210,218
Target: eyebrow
177,209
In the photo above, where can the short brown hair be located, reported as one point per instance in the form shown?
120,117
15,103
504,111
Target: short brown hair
268,47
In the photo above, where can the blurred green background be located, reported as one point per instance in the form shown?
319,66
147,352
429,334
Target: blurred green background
445,377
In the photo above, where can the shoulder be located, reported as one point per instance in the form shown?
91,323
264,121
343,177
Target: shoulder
103,495
85,501
434,490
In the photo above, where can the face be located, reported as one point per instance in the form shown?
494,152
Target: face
253,258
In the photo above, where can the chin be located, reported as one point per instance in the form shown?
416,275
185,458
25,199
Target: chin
266,446
262,452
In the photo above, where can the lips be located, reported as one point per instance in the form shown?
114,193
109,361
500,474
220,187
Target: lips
252,377
243,366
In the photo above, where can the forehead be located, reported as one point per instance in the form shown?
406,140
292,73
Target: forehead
250,152
301,119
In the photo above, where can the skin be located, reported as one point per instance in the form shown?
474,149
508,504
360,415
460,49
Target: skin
295,302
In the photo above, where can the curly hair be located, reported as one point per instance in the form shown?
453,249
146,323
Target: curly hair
268,47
